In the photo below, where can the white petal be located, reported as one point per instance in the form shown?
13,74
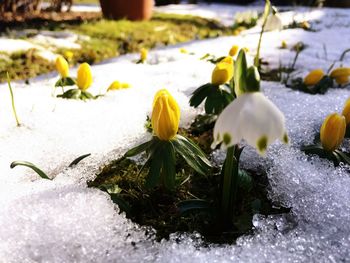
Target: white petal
250,117
273,22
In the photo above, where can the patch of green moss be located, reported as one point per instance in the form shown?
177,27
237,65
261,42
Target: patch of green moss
110,38
24,65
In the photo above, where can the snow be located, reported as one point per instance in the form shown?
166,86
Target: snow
64,221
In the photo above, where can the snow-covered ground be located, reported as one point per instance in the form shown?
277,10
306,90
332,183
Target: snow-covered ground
64,221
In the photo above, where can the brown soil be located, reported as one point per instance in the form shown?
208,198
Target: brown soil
39,19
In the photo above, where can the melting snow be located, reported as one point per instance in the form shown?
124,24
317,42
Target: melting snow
64,221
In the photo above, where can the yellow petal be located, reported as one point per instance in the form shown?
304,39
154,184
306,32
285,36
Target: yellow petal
223,71
143,54
313,77
115,86
346,111
84,78
234,50
165,115
341,75
332,131
62,66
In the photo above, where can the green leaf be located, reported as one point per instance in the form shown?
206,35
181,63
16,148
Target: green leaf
32,166
193,205
80,158
344,156
253,79
85,95
62,82
156,162
323,85
122,204
111,188
71,94
200,94
240,73
217,100
168,169
139,149
192,154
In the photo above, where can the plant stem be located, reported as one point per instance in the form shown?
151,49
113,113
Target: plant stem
266,14
229,185
12,100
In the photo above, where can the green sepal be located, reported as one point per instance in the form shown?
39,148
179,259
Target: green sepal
323,85
32,166
70,94
216,98
240,73
320,88
344,157
192,154
253,79
68,81
336,156
193,205
77,94
155,161
200,94
79,159
139,149
168,168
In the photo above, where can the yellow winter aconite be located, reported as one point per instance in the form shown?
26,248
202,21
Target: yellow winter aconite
234,50
223,71
346,111
313,77
341,75
84,76
143,54
116,85
332,132
62,66
165,115
284,44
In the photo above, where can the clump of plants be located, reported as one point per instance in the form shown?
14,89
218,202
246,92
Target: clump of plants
173,186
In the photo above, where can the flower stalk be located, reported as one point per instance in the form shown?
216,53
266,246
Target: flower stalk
13,101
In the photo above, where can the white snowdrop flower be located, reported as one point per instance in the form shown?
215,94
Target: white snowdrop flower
251,117
273,22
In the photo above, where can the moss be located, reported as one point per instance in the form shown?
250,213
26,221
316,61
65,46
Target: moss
109,38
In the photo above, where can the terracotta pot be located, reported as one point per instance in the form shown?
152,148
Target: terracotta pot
338,3
129,9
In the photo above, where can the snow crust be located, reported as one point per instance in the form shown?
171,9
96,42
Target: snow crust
64,221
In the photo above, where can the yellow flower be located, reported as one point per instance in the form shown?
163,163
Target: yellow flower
346,111
313,77
143,54
305,25
332,132
62,66
115,85
284,44
223,71
165,115
68,54
341,75
84,78
234,50
183,51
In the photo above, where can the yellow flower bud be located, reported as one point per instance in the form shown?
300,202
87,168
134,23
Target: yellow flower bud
118,85
346,111
305,25
284,44
84,78
332,132
62,66
165,115
223,71
183,51
313,77
143,54
234,50
68,55
341,75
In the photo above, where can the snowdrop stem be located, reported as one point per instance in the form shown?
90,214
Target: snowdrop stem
12,100
265,16
229,184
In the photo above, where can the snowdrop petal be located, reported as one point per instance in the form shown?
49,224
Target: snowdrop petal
251,117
